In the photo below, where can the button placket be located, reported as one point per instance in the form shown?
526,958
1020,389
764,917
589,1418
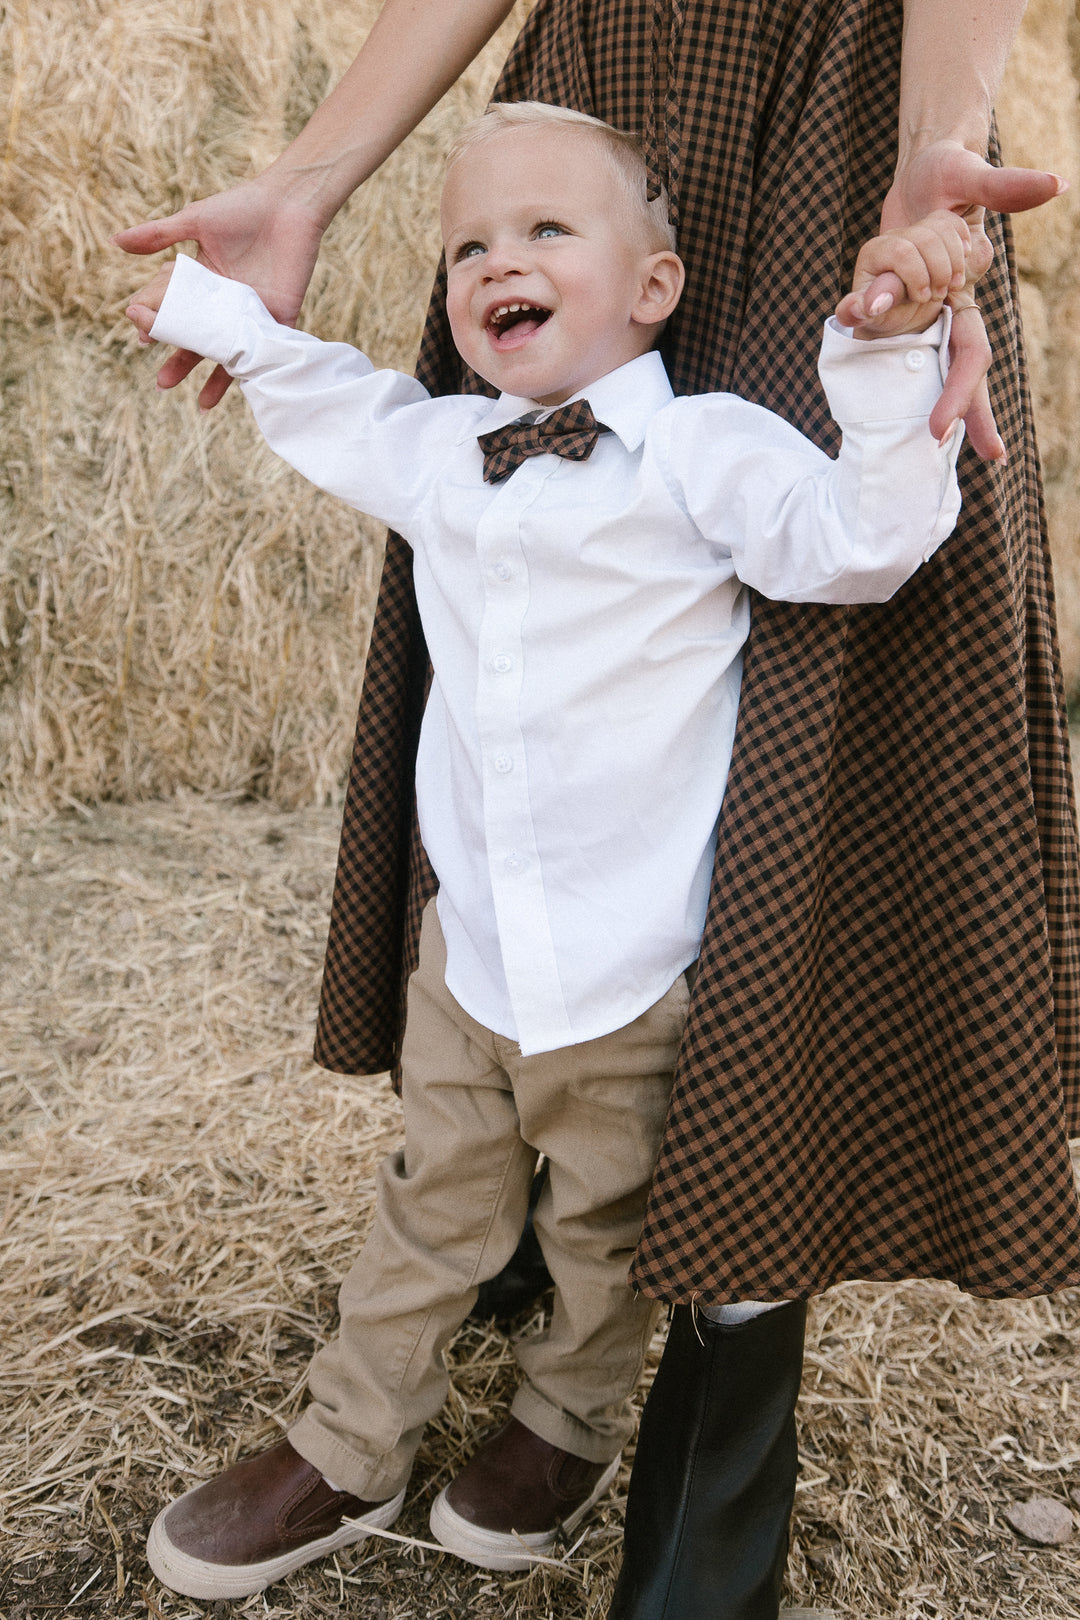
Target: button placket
528,950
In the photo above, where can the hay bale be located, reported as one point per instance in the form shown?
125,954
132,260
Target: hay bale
1039,113
177,609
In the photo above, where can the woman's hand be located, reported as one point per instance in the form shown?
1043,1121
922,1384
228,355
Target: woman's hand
945,174
267,231
248,234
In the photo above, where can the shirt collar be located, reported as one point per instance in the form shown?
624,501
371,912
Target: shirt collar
625,400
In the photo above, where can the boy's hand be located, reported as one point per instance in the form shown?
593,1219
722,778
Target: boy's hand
146,303
248,233
903,277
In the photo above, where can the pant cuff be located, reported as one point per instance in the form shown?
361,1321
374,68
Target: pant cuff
373,1479
562,1429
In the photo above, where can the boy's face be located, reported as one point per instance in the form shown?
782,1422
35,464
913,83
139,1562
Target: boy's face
548,289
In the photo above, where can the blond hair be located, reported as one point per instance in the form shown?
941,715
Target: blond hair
623,151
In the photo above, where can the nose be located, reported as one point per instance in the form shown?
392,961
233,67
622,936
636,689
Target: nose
506,256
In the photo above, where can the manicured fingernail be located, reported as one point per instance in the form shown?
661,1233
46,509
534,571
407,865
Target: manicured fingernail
947,435
881,303
1062,183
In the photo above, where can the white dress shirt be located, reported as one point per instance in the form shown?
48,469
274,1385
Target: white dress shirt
585,623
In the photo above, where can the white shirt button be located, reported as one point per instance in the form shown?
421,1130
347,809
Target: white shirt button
502,570
915,359
502,663
514,863
503,763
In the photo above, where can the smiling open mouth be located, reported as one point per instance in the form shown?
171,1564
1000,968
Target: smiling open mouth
522,318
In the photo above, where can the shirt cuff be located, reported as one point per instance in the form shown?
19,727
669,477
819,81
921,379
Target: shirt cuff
883,379
207,313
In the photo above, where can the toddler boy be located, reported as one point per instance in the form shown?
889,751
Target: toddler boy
581,576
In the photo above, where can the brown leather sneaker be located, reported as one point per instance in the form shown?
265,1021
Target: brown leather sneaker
513,1497
255,1523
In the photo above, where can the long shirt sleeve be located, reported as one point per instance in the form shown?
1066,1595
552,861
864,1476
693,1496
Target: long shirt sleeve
799,526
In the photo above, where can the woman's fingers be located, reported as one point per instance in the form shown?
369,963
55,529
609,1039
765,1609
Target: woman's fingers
180,364
156,234
214,389
965,392
1011,191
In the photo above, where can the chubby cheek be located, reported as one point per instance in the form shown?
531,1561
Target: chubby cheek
457,313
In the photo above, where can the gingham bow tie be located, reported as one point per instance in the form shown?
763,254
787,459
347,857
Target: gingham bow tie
571,431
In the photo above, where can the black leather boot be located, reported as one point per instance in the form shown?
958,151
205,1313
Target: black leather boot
714,1475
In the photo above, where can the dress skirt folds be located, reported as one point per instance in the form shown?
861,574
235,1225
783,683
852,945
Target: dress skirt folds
881,1066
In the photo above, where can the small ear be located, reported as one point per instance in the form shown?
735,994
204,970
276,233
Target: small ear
662,281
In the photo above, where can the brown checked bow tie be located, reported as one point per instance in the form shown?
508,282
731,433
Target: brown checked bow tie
571,431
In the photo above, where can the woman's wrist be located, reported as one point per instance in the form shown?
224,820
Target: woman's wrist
315,188
335,152
954,55
415,51
918,138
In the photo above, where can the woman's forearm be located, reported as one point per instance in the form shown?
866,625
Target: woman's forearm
413,54
953,59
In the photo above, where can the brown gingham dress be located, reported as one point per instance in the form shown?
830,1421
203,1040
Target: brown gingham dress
880,1068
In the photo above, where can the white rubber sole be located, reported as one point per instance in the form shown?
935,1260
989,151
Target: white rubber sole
194,1577
495,1549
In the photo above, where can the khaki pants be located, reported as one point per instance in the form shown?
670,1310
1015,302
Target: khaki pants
449,1212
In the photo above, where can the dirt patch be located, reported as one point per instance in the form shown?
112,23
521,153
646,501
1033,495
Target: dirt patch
182,1188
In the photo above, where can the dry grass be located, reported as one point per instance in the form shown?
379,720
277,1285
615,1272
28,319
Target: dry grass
181,1188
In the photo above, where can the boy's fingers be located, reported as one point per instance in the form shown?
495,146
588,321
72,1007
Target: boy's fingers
870,301
928,256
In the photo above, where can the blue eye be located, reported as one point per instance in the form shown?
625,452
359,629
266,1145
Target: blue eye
549,230
469,251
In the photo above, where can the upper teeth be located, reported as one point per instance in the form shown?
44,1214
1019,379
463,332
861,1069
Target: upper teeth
508,309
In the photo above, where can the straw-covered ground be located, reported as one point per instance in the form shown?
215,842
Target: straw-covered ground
181,1188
